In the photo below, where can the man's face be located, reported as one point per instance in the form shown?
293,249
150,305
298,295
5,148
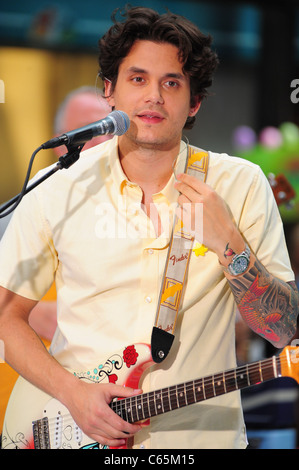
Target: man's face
153,90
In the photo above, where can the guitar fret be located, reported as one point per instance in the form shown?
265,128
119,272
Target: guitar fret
230,381
139,407
194,394
145,406
116,407
274,366
268,371
219,384
181,395
260,370
278,366
203,389
166,400
125,409
173,400
130,417
152,404
213,382
242,378
224,383
158,402
134,409
175,403
208,387
120,408
113,406
190,393
248,377
199,391
254,374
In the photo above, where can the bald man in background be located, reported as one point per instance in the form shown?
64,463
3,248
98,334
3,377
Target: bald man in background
81,107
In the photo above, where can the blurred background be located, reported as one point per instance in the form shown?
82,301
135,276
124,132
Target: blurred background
49,48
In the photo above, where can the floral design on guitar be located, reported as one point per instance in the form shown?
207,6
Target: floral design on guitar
106,372
130,355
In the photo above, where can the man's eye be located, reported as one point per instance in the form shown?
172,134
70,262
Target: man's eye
172,84
138,79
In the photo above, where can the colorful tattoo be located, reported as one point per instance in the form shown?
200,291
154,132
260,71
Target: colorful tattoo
268,305
228,252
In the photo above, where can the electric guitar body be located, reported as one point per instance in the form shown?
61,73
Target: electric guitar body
35,420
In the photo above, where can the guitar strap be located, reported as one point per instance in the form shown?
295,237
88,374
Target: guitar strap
176,268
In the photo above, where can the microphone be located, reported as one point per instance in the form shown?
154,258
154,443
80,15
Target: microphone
116,123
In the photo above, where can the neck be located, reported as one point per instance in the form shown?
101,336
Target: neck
150,168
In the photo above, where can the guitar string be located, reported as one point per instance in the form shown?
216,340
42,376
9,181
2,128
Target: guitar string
207,383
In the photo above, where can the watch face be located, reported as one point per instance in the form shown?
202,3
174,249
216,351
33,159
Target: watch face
240,264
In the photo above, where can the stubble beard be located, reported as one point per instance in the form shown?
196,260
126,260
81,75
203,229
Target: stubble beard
153,143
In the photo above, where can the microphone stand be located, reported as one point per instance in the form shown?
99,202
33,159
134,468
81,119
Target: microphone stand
65,161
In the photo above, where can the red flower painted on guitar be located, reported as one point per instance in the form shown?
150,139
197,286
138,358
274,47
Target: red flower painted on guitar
130,356
112,378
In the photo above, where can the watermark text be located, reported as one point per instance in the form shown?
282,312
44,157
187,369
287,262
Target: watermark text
295,93
135,221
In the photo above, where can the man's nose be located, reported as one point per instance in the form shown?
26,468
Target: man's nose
154,93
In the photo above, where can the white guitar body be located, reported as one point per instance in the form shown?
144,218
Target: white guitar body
54,425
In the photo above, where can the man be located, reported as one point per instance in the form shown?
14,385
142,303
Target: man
157,70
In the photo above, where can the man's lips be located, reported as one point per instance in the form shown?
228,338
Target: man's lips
150,117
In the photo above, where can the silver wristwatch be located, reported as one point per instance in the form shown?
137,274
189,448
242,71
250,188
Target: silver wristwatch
239,262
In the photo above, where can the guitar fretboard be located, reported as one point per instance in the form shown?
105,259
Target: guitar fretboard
151,404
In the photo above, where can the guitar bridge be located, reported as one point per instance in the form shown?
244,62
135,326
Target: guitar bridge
41,434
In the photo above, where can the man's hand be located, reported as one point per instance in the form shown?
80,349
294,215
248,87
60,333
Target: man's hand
89,406
215,229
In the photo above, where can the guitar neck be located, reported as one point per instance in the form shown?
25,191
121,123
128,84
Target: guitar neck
154,403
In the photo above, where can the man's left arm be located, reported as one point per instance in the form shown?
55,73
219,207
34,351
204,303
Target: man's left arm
268,305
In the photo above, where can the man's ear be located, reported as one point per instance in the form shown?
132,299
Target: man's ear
108,92
195,107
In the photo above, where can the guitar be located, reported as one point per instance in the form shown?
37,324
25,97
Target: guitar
41,422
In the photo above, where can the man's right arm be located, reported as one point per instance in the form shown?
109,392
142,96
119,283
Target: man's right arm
88,404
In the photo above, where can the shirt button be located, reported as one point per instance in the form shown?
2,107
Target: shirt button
132,210
150,251
148,299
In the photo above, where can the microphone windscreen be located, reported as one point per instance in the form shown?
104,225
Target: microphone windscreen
121,120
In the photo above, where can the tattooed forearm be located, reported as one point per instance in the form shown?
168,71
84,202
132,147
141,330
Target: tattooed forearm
268,305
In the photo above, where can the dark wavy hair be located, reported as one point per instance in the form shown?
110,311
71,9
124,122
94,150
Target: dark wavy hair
139,23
